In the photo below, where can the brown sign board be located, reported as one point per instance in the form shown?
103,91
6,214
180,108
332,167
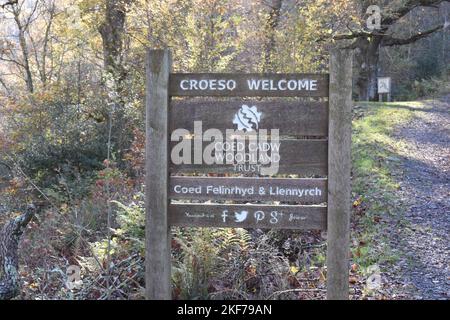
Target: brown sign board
299,118
248,216
312,191
249,85
311,139
300,157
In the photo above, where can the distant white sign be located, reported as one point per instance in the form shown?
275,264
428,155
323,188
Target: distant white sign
384,85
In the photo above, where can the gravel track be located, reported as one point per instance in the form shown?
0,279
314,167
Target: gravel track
423,240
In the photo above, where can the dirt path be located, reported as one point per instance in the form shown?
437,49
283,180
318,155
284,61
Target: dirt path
423,236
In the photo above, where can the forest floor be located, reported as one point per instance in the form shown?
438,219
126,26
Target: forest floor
412,175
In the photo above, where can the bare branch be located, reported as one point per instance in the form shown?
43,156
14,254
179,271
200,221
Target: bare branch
30,16
391,41
354,35
390,19
4,85
9,3
408,6
350,36
12,61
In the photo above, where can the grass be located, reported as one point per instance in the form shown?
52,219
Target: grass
376,158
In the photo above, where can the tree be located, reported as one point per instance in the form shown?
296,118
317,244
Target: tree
112,30
9,261
273,20
368,42
45,71
110,22
23,25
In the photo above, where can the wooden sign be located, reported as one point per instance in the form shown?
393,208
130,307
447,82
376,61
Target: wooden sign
249,85
292,118
236,150
384,87
249,189
249,216
302,157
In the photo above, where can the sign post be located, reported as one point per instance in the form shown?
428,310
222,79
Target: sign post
384,87
232,151
339,166
158,260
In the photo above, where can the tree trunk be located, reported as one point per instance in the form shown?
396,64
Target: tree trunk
9,261
25,52
367,60
112,31
271,25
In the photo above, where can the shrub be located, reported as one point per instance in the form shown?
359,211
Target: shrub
429,87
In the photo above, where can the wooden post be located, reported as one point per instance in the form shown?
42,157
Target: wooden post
339,164
158,253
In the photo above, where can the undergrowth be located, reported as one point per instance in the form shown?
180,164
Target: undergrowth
213,263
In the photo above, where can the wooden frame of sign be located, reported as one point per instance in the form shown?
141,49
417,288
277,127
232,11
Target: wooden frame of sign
308,203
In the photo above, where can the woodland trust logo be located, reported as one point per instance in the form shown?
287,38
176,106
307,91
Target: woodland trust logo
247,119
248,147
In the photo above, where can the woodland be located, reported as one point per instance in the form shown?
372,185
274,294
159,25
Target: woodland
72,141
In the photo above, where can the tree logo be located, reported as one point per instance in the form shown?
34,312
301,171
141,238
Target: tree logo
247,118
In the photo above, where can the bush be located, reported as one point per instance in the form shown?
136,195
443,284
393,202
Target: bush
429,87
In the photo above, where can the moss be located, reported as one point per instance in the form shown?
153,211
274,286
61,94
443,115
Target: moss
376,155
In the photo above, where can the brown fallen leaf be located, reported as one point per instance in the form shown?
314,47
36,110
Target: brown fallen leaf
353,280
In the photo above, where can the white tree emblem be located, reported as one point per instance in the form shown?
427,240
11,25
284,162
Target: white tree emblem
247,118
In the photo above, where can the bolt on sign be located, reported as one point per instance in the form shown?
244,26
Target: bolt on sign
217,162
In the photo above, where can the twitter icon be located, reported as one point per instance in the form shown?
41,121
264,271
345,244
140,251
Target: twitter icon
239,217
